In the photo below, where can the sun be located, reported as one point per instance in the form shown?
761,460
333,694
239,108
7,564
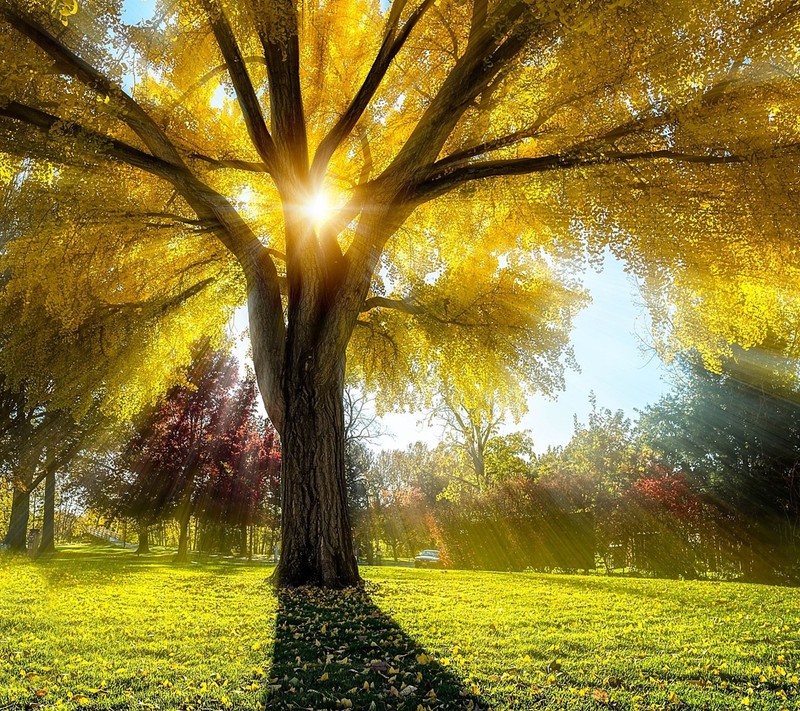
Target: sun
317,207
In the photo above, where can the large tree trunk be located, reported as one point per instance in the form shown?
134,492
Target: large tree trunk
48,541
316,537
17,536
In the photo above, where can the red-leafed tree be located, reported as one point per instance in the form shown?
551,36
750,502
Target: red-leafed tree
241,472
168,454
203,450
661,516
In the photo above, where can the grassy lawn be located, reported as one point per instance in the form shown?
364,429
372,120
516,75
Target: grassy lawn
99,628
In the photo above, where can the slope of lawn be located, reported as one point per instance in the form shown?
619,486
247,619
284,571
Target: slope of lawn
99,628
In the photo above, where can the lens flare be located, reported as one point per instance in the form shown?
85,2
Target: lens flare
317,207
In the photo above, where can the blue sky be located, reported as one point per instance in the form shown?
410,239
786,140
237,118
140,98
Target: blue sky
608,340
136,10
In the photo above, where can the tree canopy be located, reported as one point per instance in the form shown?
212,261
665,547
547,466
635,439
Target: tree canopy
396,186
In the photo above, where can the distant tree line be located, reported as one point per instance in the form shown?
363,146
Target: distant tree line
200,469
705,483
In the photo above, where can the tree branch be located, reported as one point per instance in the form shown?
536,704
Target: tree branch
382,302
478,20
487,55
439,183
164,307
277,29
245,93
393,42
129,111
209,75
105,145
233,164
511,139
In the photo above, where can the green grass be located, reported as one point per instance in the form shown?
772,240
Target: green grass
99,628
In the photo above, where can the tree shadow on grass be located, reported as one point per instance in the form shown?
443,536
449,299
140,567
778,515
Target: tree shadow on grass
337,649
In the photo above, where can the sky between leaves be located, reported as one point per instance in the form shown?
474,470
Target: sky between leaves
610,339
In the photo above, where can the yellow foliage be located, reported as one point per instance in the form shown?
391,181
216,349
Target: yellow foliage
498,147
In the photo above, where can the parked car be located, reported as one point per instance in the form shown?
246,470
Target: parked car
428,559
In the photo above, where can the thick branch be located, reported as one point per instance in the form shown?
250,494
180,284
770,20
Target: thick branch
277,29
209,75
488,54
233,164
104,145
479,13
382,302
128,110
392,43
245,93
439,183
168,304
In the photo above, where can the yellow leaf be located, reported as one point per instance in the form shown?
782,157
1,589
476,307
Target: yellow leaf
600,695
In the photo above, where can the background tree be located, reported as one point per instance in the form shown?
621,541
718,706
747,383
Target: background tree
203,441
737,436
240,473
469,423
594,469
661,130
36,441
511,455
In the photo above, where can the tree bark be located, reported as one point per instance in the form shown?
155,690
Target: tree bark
316,536
144,539
243,540
48,540
183,538
17,536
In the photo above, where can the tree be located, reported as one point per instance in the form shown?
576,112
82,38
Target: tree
241,469
360,429
36,441
472,419
202,451
509,456
737,436
171,454
469,426
594,469
640,125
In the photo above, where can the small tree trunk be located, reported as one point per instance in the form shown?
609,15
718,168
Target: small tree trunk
144,539
243,540
48,540
183,537
17,536
316,537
